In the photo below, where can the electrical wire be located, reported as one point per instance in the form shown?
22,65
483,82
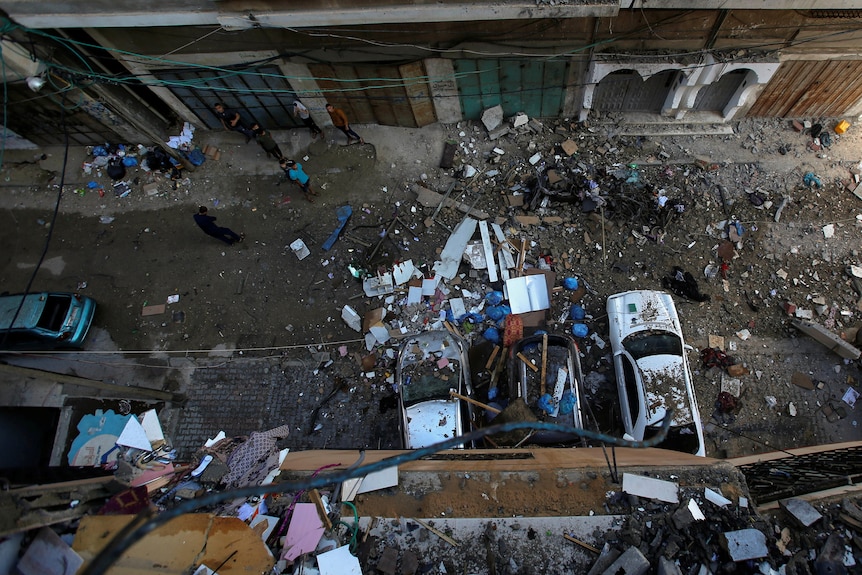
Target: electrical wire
6,332
149,519
389,82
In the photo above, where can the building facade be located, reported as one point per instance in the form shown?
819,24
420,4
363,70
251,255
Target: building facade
112,72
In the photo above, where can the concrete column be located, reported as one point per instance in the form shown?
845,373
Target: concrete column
444,90
305,85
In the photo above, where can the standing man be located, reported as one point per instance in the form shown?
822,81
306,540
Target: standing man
231,120
267,142
207,224
295,173
301,112
339,120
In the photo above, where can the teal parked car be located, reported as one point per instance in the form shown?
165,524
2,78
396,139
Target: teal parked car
46,320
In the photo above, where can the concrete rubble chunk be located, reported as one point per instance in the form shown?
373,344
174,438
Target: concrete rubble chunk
388,561
650,488
569,147
667,567
351,318
492,117
631,562
498,133
831,557
801,510
744,544
520,119
606,558
827,338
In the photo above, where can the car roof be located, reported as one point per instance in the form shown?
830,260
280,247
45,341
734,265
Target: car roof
30,311
642,310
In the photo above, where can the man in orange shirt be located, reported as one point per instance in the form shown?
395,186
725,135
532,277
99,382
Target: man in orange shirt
339,120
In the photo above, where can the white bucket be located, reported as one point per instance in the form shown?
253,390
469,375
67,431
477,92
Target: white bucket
300,249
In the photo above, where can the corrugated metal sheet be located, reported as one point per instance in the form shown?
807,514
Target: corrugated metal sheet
369,94
625,91
716,96
260,95
40,118
536,88
811,88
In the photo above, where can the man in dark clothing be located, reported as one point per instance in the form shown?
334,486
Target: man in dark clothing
231,120
207,224
267,142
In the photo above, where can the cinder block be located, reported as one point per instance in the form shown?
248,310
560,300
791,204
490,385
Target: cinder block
631,562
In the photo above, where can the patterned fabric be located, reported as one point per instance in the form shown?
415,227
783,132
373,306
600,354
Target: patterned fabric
514,330
252,460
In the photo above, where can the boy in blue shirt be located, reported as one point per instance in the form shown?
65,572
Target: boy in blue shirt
294,173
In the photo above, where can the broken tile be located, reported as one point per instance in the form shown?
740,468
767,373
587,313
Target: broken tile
650,488
801,510
744,544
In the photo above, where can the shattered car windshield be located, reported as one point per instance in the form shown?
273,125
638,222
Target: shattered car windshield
648,343
428,386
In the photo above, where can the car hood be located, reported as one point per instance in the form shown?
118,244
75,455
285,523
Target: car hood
642,310
430,422
664,377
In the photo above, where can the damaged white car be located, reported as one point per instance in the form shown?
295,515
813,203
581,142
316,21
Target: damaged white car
430,366
652,370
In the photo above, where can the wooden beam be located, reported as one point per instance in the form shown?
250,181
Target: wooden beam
122,391
485,406
529,363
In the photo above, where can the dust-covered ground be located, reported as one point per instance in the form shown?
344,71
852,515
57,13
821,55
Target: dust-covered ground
257,296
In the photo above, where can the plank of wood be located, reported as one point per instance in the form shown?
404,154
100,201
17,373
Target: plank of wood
586,546
491,359
499,369
314,495
455,394
544,363
436,532
529,363
508,260
523,257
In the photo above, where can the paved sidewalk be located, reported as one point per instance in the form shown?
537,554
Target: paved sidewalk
242,395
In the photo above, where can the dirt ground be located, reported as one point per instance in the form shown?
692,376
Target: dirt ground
257,297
